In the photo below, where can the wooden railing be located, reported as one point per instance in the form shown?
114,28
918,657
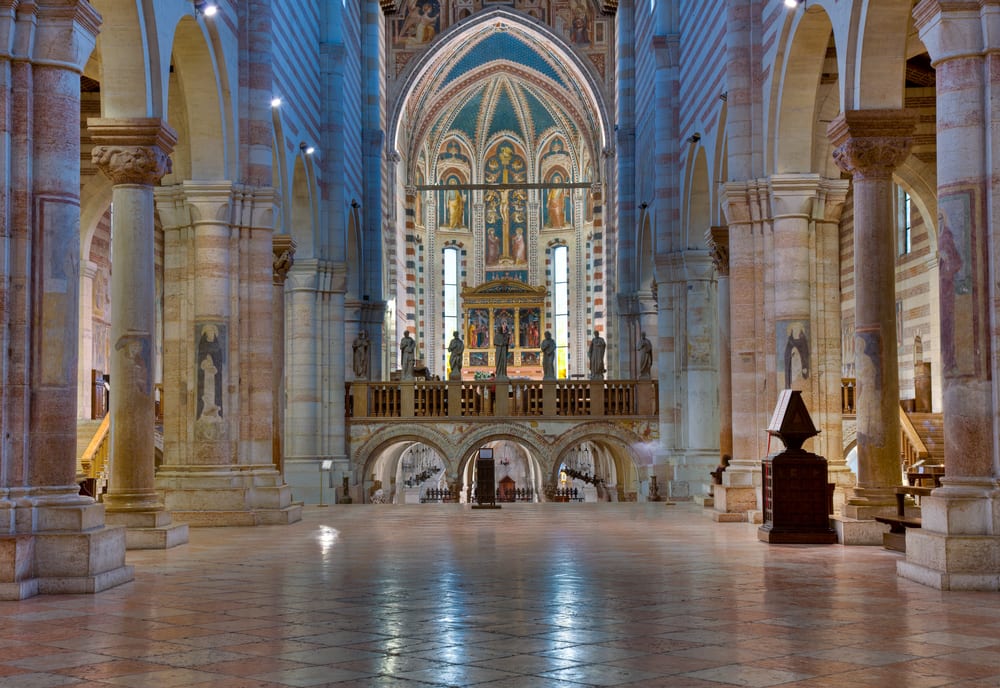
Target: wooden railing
525,398
93,466
911,448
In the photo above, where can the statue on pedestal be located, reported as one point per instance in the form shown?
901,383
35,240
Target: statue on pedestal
361,358
645,357
455,350
407,355
595,355
548,357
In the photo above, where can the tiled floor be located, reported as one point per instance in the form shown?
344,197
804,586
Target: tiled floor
540,596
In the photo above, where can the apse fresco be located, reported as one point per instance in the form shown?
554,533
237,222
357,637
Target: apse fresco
580,23
419,22
506,210
453,208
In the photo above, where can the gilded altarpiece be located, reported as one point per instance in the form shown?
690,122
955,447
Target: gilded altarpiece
488,309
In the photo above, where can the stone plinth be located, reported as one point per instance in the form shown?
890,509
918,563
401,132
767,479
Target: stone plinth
951,551
852,531
149,529
228,495
733,501
69,552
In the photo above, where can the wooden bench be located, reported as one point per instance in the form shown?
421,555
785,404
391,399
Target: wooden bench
895,539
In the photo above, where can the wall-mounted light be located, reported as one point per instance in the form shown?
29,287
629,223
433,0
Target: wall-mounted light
694,138
643,205
792,4
307,149
204,7
275,102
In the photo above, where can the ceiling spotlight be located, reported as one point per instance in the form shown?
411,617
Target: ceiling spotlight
275,102
209,9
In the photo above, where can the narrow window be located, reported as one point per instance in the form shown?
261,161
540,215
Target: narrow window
450,293
903,214
560,298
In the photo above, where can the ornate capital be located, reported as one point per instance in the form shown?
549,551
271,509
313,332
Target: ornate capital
870,144
283,250
717,239
132,151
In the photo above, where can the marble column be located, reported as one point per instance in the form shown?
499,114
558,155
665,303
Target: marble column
958,546
283,247
717,239
870,144
132,153
52,539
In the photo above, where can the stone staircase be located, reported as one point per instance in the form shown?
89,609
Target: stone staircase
930,428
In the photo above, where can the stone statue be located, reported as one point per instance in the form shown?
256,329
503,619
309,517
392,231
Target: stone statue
407,355
595,356
455,350
645,357
502,346
548,357
361,358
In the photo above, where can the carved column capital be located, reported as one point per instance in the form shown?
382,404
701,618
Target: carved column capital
717,239
283,250
132,151
870,144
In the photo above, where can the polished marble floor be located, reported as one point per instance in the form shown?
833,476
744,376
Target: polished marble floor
529,596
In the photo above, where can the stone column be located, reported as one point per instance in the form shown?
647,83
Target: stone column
717,239
700,406
958,546
283,247
52,539
870,144
827,358
132,153
752,399
219,264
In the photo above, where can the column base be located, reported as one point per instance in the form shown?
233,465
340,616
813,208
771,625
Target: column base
62,563
955,549
205,496
732,499
854,531
149,529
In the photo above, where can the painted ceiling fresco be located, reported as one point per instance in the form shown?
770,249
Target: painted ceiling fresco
501,80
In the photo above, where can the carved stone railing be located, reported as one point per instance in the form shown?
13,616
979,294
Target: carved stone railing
519,398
